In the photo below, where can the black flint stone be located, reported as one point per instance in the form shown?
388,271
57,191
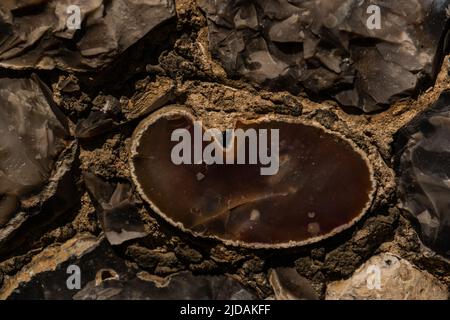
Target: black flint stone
326,47
103,275
181,286
107,28
116,210
36,155
423,164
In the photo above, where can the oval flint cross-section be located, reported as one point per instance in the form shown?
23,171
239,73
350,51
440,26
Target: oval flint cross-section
299,182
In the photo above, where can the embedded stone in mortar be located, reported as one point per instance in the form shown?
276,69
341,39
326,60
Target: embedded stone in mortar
387,277
183,285
116,208
324,183
34,35
329,48
423,156
287,284
33,135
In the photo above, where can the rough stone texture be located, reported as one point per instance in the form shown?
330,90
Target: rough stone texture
32,136
46,275
181,286
266,210
185,74
104,275
36,152
399,280
109,28
327,48
101,121
424,172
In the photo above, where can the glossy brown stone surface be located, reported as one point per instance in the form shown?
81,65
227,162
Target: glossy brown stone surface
33,133
324,184
37,35
329,48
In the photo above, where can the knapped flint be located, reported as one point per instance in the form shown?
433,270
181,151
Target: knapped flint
330,48
116,209
180,286
36,153
103,275
423,149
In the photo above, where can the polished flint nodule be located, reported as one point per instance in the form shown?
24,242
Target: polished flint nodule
424,173
33,134
323,185
365,54
50,34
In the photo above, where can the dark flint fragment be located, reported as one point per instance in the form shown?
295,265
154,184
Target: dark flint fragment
116,208
155,96
48,275
35,34
181,286
423,158
326,47
289,285
105,118
68,84
36,153
105,275
95,124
